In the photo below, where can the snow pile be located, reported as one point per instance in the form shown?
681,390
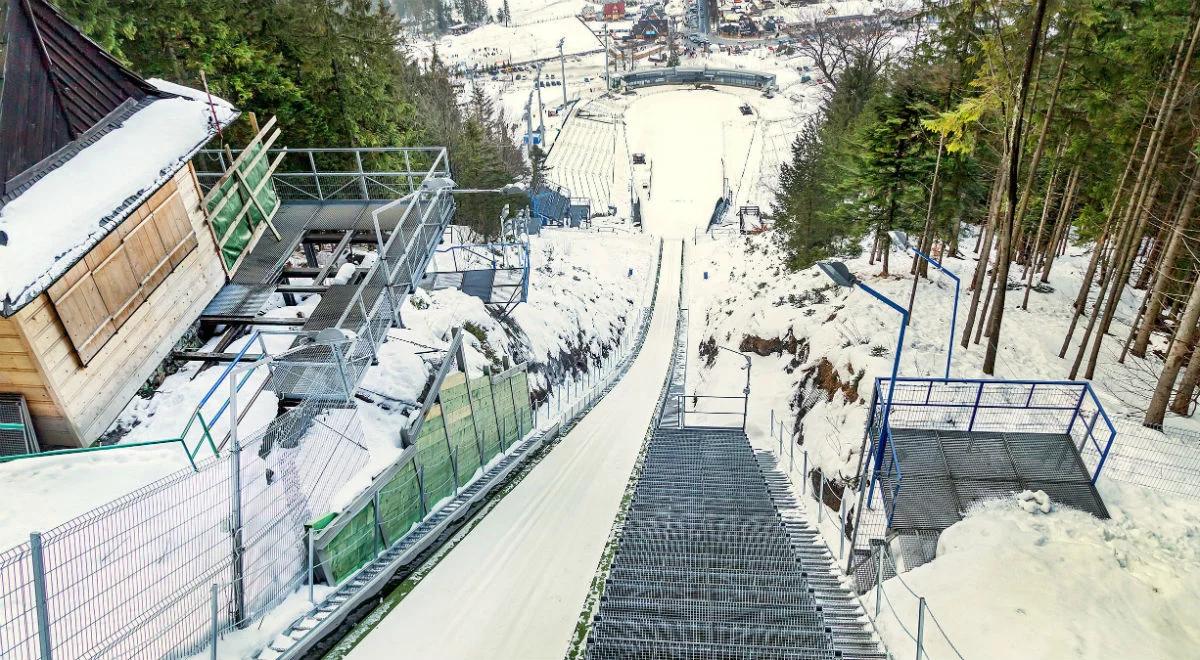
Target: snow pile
822,347
1013,583
70,209
42,493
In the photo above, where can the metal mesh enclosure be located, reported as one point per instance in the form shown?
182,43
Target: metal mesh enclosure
134,578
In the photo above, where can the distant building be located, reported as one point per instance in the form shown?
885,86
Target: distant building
614,11
651,25
459,29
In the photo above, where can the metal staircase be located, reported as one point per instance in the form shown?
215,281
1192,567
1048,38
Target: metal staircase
715,559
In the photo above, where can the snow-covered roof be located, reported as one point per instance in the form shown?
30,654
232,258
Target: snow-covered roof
51,225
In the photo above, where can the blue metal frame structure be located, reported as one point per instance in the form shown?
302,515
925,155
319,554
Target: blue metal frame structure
1055,399
887,408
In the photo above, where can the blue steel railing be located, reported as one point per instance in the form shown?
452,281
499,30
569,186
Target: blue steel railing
969,404
206,423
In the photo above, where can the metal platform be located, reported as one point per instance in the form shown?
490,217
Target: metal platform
256,278
705,567
944,473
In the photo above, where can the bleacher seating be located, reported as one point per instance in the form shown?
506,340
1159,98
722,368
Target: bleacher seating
582,158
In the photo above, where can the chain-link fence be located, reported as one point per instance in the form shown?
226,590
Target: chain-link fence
135,577
1167,461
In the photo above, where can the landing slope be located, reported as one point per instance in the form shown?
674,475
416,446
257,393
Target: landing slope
512,588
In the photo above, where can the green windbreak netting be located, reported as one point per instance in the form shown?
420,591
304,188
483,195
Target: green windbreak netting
520,391
485,417
352,547
400,503
456,407
505,417
433,458
233,228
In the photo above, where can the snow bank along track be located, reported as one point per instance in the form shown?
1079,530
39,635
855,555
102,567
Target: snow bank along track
715,558
352,601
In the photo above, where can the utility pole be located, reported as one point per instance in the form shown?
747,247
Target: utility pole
607,83
541,109
562,59
529,127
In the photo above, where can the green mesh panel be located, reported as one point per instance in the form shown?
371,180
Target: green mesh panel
353,546
433,457
237,236
456,408
505,417
400,503
485,417
520,392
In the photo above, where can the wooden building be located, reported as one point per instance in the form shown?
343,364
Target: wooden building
106,257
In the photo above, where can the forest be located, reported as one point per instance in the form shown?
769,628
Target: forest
1027,126
334,72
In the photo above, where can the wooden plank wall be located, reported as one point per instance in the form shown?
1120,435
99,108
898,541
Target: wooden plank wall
89,397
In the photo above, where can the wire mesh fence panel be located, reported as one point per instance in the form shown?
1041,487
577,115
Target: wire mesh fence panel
400,503
124,580
433,458
1167,461
290,473
18,609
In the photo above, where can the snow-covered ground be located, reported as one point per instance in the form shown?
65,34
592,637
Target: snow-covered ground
513,587
1062,584
584,287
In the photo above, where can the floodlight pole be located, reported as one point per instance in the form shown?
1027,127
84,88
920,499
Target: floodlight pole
562,59
954,312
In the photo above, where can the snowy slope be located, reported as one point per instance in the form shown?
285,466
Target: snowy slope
513,587
582,293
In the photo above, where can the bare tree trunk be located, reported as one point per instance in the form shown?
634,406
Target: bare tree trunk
1187,386
927,230
985,254
1062,225
1166,266
1037,236
1005,229
1157,410
1122,266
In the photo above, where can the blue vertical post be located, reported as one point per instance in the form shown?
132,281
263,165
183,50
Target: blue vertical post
881,444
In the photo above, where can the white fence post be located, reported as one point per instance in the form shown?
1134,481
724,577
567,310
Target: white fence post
215,624
39,594
921,628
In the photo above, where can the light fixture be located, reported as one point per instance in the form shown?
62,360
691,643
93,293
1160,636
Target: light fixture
837,271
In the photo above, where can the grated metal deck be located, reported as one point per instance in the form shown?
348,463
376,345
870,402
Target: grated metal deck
944,473
706,567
